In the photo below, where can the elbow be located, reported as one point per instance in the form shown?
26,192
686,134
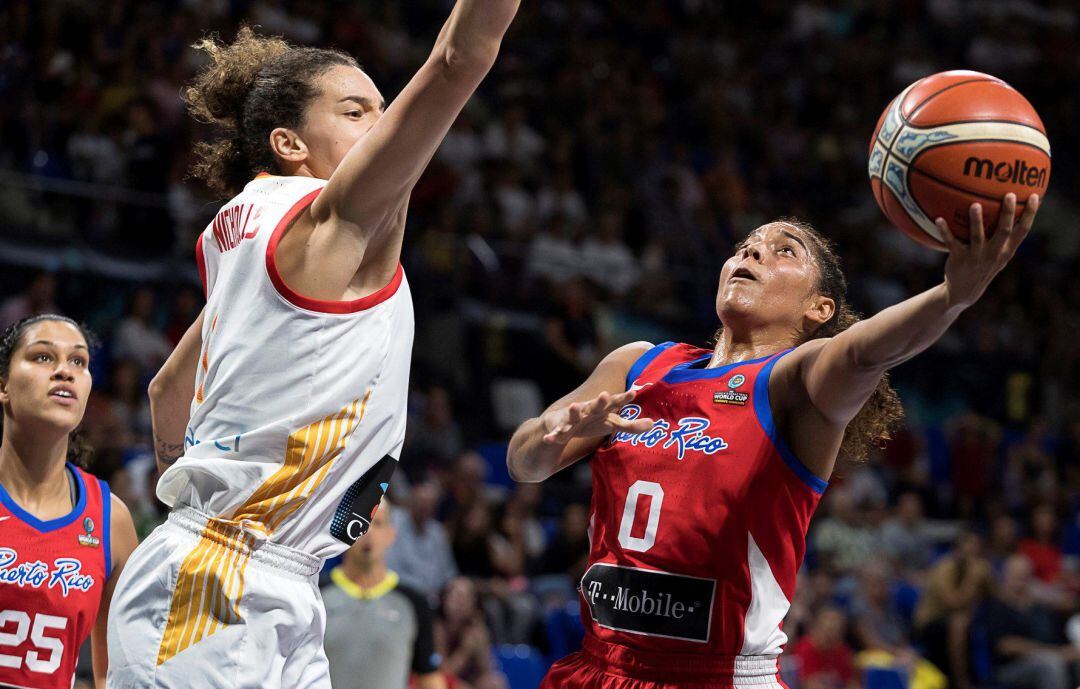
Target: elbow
467,63
517,469
159,386
156,389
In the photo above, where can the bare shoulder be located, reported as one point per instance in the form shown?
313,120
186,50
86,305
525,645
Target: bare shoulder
788,368
119,510
122,526
629,353
609,375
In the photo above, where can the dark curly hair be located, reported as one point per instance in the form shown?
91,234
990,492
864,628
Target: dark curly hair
881,414
79,451
250,87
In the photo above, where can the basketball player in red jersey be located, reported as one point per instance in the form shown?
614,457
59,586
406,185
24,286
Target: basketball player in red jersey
63,537
707,466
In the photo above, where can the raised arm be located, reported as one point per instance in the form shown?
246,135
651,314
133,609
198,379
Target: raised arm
836,376
574,426
171,392
361,211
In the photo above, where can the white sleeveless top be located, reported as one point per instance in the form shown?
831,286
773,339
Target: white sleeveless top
299,412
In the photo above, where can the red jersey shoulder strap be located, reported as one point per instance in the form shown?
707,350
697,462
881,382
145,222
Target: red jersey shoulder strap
98,507
763,411
660,359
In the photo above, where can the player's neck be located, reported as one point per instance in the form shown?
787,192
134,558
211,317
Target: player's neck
736,345
32,471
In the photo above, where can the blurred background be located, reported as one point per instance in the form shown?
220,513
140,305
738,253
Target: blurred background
588,197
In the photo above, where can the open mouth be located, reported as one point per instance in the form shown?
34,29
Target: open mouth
742,274
63,394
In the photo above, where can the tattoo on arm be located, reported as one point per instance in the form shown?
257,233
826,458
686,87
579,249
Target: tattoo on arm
167,452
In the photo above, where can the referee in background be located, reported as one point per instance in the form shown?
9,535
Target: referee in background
377,631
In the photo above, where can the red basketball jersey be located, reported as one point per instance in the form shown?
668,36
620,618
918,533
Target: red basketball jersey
698,524
52,574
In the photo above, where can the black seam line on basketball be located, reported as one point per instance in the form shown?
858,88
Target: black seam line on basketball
954,187
904,120
932,96
962,142
952,122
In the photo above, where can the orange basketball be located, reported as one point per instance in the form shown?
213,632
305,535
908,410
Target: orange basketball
950,140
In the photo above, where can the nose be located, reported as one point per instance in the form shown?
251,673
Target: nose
63,372
752,250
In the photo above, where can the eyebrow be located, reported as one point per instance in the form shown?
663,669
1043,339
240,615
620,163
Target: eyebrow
803,245
364,101
50,343
785,233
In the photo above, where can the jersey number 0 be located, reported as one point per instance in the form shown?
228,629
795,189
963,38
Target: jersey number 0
641,543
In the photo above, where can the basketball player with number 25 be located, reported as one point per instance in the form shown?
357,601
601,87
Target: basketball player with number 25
708,465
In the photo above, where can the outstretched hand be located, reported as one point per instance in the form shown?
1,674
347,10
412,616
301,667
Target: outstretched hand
596,418
973,264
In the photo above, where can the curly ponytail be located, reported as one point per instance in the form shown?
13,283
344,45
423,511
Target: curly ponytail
881,414
250,87
79,451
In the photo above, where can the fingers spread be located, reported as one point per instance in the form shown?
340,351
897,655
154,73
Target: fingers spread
1008,213
975,219
574,412
1023,227
951,242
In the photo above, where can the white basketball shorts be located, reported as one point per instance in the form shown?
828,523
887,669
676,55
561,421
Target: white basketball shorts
203,604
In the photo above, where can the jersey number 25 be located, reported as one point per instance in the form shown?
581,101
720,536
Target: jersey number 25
34,660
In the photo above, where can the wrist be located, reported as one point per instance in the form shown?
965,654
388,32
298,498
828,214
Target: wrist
955,300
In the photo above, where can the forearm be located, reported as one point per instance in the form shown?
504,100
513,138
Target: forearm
169,413
171,392
473,33
901,331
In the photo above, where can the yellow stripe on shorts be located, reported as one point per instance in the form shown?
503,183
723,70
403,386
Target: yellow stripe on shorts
211,580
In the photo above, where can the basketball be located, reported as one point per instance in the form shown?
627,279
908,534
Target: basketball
950,140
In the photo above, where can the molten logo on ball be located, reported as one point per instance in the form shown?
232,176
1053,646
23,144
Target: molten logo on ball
1017,172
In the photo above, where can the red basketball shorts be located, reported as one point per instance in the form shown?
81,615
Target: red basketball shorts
601,665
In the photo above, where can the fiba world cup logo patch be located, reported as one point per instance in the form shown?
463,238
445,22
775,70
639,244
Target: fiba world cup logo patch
732,394
89,539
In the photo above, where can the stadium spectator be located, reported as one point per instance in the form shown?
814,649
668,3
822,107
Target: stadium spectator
955,587
1026,639
36,299
824,660
138,338
421,553
463,640
842,538
904,537
433,437
1041,547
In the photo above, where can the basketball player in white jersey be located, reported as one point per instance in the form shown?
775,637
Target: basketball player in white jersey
279,418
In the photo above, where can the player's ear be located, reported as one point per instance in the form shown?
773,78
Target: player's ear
4,397
820,310
287,145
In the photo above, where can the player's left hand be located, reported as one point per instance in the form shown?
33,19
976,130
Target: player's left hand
973,264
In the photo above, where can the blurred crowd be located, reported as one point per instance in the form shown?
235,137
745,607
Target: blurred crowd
588,197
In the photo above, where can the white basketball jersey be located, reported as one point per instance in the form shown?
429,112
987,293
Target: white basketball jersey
299,412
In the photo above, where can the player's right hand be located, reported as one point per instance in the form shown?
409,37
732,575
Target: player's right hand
595,418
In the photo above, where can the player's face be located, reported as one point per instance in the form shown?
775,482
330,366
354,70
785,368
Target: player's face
771,276
49,381
348,106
